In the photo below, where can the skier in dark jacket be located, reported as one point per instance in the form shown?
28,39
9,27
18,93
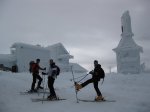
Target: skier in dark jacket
51,79
52,74
95,79
35,73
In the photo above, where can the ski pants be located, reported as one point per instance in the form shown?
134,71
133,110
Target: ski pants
51,81
36,76
95,83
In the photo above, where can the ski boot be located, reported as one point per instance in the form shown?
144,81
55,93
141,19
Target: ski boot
39,87
32,91
78,86
99,98
52,97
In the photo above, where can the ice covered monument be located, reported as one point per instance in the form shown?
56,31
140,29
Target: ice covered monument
127,51
21,54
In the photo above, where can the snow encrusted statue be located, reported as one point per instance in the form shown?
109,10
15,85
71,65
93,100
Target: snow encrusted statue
127,51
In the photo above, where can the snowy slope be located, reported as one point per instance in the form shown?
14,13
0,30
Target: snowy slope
131,92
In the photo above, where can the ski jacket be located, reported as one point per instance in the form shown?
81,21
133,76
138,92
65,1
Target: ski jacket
36,68
52,72
97,72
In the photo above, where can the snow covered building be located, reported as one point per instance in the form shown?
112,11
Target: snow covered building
127,51
22,54
60,55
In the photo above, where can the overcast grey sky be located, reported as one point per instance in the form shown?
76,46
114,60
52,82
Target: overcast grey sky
89,29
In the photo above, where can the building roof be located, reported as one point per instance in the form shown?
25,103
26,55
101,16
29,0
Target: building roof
58,51
57,45
127,43
23,45
65,56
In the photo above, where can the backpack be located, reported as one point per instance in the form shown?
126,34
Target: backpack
55,71
102,73
31,66
34,68
58,70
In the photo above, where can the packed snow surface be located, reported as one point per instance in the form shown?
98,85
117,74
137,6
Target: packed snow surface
131,92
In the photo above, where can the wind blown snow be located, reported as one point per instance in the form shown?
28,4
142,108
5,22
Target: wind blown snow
131,92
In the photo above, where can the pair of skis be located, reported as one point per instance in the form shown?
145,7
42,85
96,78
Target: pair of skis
45,99
60,99
97,101
27,92
40,99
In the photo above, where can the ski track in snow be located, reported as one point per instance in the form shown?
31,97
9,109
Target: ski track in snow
131,93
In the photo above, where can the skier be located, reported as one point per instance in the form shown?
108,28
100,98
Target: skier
52,75
35,73
96,75
51,80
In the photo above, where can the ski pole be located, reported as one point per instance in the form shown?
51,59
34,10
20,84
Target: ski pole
74,85
83,78
45,91
46,88
43,87
78,77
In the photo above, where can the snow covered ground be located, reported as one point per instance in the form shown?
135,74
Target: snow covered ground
131,92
